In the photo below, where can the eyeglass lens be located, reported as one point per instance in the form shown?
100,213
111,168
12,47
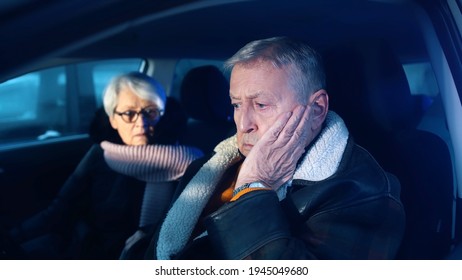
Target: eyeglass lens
131,116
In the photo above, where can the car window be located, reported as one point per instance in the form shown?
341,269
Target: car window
423,85
422,81
58,101
424,88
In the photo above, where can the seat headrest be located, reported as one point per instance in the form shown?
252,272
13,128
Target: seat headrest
367,85
204,94
101,129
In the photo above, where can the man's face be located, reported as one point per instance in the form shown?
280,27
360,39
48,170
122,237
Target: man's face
259,93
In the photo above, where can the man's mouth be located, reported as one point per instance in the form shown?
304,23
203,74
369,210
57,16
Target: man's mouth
247,146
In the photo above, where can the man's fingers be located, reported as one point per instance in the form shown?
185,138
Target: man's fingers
278,126
294,122
275,155
299,137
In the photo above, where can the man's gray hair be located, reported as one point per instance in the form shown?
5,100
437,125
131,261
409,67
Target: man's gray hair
303,62
142,85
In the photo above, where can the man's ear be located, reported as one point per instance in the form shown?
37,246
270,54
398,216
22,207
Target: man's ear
320,106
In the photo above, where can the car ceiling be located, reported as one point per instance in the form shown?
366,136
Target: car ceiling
35,31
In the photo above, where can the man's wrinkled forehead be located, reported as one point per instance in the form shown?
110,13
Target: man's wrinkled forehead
261,61
248,96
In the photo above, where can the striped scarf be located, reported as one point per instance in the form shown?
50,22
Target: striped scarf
157,165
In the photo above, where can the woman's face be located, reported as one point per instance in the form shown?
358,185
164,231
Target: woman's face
131,120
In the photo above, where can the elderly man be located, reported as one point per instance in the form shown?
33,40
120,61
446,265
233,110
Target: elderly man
291,184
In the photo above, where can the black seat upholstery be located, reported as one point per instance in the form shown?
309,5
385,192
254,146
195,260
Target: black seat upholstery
204,94
368,88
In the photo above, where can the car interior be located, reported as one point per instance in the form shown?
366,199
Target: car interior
394,74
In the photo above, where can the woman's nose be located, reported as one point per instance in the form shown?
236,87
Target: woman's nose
140,121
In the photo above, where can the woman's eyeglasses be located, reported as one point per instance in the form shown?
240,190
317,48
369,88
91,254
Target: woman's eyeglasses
130,116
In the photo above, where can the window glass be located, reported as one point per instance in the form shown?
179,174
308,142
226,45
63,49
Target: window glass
32,105
421,79
422,83
18,98
57,101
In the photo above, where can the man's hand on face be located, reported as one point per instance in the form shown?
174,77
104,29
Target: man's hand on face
272,161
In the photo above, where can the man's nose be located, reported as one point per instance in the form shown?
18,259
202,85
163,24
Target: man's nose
247,121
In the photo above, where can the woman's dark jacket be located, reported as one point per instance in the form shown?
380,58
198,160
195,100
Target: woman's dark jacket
95,211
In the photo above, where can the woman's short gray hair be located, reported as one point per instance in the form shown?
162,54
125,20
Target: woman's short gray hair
142,85
303,63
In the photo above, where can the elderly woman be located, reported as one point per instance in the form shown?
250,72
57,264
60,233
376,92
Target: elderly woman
133,168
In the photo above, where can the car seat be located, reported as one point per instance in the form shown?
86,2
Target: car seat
368,88
204,95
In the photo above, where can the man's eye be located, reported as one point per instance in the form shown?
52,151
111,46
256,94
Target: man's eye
235,105
261,106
